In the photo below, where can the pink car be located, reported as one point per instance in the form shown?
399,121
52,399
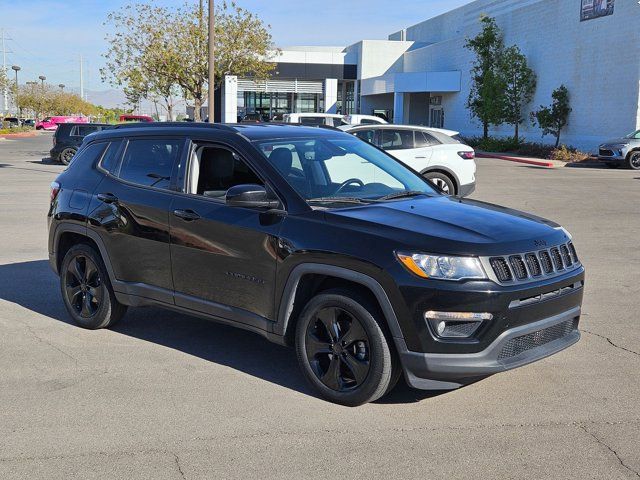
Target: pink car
51,123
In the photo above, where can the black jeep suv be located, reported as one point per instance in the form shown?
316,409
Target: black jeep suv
68,138
313,238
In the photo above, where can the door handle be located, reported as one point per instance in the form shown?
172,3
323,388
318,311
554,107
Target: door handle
107,198
188,215
420,158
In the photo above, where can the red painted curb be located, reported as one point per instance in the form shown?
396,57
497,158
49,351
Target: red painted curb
538,163
18,135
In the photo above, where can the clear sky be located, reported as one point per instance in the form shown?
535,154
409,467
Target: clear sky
47,37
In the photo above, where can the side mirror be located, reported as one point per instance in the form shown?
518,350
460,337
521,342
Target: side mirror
250,196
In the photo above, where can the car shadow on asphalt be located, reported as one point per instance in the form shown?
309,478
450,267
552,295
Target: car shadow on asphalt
34,286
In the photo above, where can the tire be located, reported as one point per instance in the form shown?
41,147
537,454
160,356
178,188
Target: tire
86,290
633,160
442,181
353,364
66,155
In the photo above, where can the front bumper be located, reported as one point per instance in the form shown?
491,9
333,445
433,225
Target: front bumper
514,348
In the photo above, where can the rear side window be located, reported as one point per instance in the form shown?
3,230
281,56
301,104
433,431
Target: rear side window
396,139
84,130
368,121
89,154
109,159
314,121
425,140
149,162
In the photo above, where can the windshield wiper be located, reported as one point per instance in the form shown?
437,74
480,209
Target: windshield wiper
407,193
337,200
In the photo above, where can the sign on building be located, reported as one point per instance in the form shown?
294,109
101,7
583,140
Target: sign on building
591,9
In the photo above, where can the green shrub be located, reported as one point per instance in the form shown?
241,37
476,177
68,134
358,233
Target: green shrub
527,149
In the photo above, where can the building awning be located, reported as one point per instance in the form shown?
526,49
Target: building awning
408,82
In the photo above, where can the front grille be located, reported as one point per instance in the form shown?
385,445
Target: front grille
605,152
557,259
521,344
501,269
566,257
517,265
533,265
545,259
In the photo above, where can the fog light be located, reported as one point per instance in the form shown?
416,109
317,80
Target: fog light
455,324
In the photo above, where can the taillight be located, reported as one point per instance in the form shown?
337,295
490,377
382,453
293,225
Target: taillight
467,155
55,189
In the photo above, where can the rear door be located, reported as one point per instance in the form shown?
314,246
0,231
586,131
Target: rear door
132,217
401,144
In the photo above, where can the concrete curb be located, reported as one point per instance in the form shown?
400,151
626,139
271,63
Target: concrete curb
528,161
9,136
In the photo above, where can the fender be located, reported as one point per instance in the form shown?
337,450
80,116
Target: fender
291,287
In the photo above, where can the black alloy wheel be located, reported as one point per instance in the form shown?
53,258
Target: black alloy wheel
83,286
338,349
634,161
66,155
86,289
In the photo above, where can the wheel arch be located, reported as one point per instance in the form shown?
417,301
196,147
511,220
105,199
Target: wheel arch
309,279
445,171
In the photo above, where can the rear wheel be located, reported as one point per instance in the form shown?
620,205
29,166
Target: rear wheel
342,349
86,290
633,161
66,155
442,181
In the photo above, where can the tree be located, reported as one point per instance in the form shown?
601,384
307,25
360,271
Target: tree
486,99
45,100
519,83
156,50
554,118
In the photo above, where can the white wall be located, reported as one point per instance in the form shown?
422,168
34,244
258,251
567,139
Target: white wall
598,60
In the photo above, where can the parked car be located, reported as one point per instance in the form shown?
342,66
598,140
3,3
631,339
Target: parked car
446,162
253,118
51,123
68,138
29,122
11,122
312,238
357,119
621,151
135,118
315,119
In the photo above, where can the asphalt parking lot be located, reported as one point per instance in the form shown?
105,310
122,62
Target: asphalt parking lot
165,396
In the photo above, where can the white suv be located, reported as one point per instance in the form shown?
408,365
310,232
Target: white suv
443,160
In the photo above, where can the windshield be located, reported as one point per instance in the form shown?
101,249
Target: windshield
341,170
635,134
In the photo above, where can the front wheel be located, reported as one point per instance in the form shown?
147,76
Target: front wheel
634,161
442,182
342,350
86,289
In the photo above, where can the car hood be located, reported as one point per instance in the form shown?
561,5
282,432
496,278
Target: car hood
450,225
617,141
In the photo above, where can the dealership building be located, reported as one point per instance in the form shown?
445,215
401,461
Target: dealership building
421,74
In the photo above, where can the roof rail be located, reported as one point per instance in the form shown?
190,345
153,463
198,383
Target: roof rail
219,126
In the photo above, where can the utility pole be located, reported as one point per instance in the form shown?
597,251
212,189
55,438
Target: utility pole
5,91
212,69
81,80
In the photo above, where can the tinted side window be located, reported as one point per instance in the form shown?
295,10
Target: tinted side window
425,140
397,139
336,122
366,135
109,159
84,130
368,121
89,154
149,162
314,121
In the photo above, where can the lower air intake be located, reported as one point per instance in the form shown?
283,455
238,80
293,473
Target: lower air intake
517,345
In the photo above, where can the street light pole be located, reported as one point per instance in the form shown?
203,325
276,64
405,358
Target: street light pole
42,79
61,85
16,68
212,70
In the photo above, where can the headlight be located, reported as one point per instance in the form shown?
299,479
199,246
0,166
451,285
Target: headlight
443,267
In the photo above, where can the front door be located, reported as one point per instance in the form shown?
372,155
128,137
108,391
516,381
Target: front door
436,117
223,258
401,144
